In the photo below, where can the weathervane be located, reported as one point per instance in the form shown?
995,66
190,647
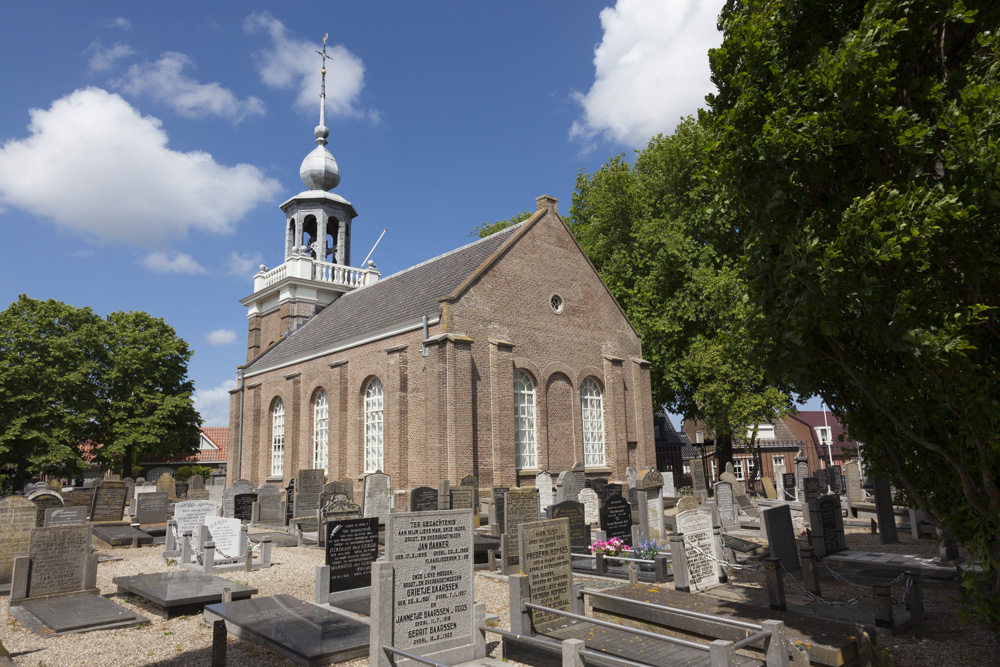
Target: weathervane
322,93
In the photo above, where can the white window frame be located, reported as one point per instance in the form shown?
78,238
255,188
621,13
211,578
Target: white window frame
592,413
764,432
278,438
525,422
824,434
739,469
321,430
374,404
699,437
777,461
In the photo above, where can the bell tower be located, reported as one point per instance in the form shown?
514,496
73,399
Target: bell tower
317,249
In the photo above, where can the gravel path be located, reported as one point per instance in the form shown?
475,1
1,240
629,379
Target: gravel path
187,641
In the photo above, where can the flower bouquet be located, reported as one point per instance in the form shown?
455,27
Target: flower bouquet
613,547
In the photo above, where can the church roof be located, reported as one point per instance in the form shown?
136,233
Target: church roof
399,299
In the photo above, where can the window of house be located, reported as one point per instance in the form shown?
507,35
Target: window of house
592,407
699,436
321,414
777,461
687,468
739,470
373,426
764,432
277,438
823,434
524,421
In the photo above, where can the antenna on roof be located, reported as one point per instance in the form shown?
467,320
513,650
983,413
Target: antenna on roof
384,230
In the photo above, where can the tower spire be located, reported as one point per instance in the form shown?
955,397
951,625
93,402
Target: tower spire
322,132
319,170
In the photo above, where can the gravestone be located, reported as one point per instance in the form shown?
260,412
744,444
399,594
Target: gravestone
884,511
788,485
616,519
377,496
599,485
543,482
669,487
779,471
781,536
229,496
632,477
308,487
826,523
743,501
151,508
834,478
685,503
192,515
181,592
769,490
423,499
196,483
429,607
730,469
820,476
463,498
79,498
695,551
203,494
725,502
165,484
44,500
470,481
591,506
181,490
497,519
54,485
17,518
521,506
579,531
574,481
340,509
243,506
351,548
650,485
801,472
269,504
613,490
227,533
109,502
698,479
289,501
120,535
57,517
545,561
343,487
855,493
810,488
59,562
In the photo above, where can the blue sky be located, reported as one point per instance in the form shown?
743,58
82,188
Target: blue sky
145,147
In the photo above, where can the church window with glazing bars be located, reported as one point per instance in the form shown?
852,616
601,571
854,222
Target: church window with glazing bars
373,426
321,415
277,438
525,437
592,407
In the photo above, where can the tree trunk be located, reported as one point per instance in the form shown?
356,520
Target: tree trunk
127,461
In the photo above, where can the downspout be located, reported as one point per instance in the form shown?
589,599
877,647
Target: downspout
423,350
239,437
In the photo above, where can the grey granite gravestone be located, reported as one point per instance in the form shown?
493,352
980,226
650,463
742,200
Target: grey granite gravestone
855,493
196,483
826,522
743,501
181,592
724,501
497,517
781,536
17,518
151,508
574,481
56,517
429,580
616,519
579,531
351,548
44,500
521,506
423,499
801,472
243,506
377,496
305,633
545,561
61,562
269,504
240,486
591,506
308,487
109,502
695,551
543,482
669,487
191,515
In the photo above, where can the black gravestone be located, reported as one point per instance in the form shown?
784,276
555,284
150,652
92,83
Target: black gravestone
351,547
810,487
290,501
616,519
181,489
499,509
788,483
600,487
820,476
579,531
612,490
243,506
423,499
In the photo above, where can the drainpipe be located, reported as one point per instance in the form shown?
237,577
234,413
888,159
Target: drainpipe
423,350
239,437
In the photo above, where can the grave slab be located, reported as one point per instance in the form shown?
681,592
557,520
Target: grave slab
304,633
83,612
121,535
181,591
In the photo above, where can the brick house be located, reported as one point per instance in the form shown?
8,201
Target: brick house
778,442
825,437
501,358
213,452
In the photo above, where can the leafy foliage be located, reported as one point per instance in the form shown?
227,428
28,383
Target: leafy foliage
489,228
184,473
860,141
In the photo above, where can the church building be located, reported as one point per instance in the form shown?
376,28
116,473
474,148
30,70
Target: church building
502,358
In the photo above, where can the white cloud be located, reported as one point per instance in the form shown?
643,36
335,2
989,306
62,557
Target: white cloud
244,266
651,69
105,58
95,165
221,337
213,404
166,82
161,262
293,63
120,23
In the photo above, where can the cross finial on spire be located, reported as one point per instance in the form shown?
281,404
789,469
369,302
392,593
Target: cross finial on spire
322,93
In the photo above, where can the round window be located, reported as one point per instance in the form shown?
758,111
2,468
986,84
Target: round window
557,304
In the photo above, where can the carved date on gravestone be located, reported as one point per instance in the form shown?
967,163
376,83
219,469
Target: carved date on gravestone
545,560
423,499
522,507
351,548
616,519
243,506
58,559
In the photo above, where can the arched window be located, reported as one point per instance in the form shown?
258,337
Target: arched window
592,407
525,439
277,438
321,415
373,426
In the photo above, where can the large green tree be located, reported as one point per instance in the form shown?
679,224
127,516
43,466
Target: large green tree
861,142
659,234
